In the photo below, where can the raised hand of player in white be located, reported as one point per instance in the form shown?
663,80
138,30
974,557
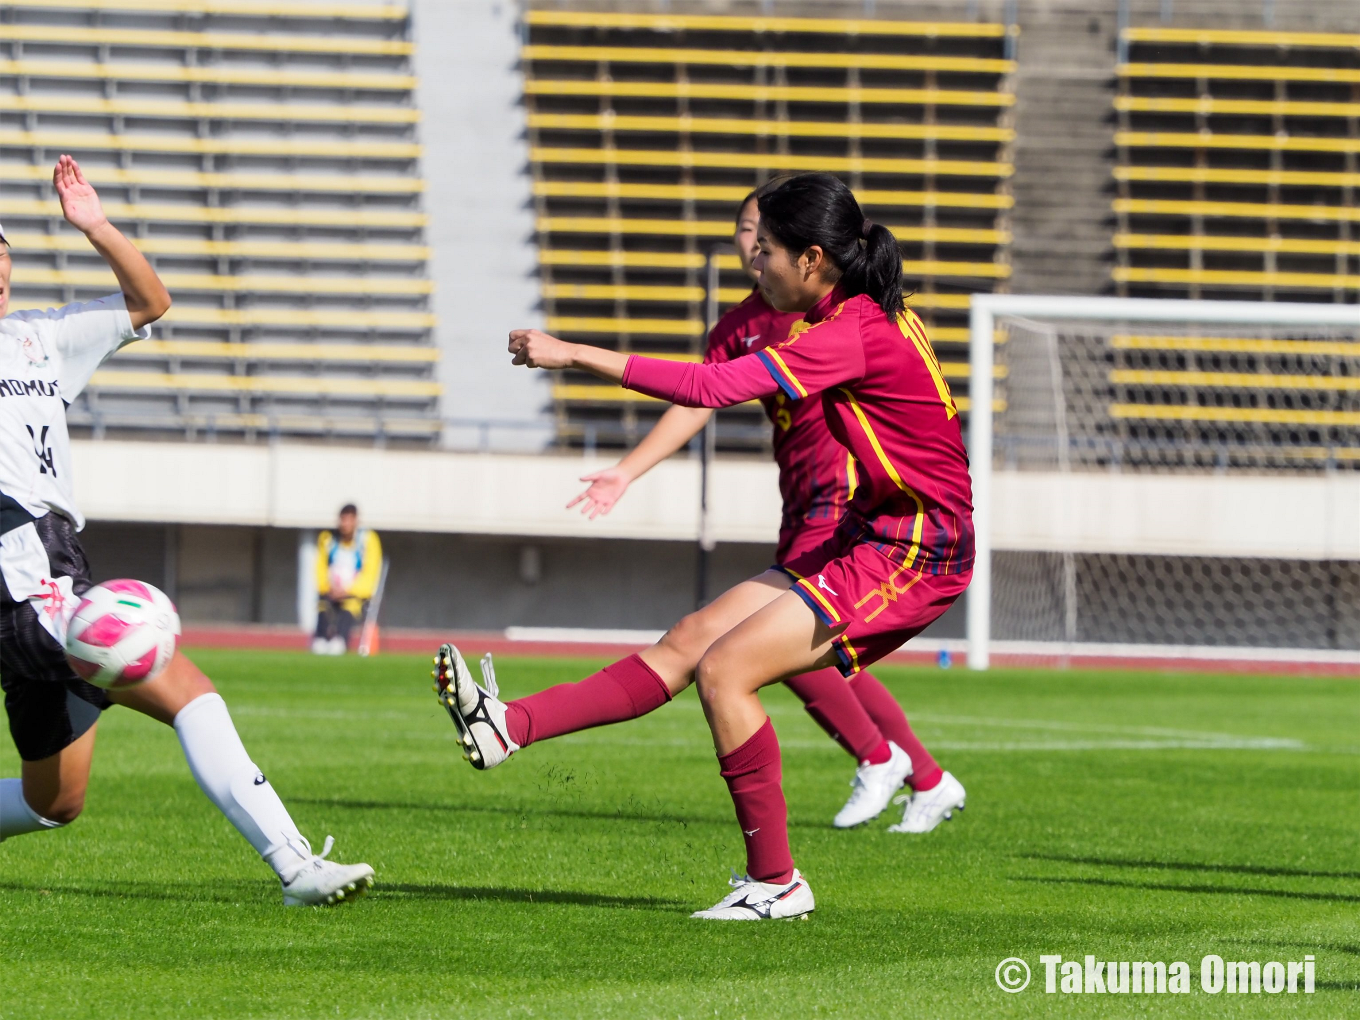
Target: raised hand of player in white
606,488
143,293
79,201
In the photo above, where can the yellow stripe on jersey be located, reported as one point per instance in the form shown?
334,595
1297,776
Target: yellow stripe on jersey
851,476
914,330
919,523
812,589
802,390
844,642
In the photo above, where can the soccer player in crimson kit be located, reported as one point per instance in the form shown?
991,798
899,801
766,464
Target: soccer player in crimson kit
817,476
901,555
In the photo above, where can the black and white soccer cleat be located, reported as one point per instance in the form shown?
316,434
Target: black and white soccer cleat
477,713
750,900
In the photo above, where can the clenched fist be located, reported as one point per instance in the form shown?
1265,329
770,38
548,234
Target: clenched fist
536,349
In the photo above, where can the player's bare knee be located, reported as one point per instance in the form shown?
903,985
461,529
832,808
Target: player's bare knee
712,679
686,640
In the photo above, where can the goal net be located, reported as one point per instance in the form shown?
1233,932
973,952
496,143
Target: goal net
1165,479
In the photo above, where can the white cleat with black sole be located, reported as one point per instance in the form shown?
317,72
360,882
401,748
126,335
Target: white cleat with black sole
927,809
750,900
873,789
317,882
477,713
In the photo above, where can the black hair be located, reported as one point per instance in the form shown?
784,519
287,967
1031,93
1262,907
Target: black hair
349,508
818,209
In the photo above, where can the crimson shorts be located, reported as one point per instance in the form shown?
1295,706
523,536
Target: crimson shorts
886,604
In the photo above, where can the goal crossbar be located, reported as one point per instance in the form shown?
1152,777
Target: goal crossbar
986,309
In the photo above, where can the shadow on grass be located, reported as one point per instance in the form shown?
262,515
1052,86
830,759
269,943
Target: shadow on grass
628,813
1235,869
407,890
236,892
1218,890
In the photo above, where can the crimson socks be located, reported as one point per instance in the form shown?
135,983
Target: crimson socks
627,689
831,702
753,777
888,716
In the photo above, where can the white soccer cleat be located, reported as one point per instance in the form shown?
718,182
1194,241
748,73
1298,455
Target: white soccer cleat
317,882
477,713
873,789
925,810
750,900
321,646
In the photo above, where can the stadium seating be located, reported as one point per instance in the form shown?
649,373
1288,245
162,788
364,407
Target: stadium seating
264,155
1237,164
646,129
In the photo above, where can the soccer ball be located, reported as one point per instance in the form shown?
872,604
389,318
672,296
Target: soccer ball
122,633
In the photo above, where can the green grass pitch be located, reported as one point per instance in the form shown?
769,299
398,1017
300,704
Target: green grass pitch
1133,816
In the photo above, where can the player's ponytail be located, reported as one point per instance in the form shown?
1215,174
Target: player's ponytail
818,209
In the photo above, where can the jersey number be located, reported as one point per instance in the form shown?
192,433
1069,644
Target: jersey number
43,452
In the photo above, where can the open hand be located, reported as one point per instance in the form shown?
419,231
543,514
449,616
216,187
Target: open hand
606,487
537,349
79,202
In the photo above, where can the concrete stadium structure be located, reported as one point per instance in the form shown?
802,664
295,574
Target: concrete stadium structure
345,273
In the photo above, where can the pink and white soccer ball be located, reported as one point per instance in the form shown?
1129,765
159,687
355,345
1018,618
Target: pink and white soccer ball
122,633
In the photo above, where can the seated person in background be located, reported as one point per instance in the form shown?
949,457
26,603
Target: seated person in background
348,565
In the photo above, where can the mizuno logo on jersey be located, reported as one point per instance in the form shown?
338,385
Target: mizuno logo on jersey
821,583
749,340
32,388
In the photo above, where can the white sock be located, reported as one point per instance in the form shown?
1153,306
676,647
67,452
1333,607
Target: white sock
16,817
224,771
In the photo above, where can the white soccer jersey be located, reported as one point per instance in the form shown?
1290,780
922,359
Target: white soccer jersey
46,359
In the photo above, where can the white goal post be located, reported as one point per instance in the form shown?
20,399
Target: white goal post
1216,392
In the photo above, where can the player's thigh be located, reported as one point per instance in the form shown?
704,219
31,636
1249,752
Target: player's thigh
679,651
54,786
162,697
782,639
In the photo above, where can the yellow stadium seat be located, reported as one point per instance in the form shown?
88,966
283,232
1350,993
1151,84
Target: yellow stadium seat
645,327
723,228
1224,175
237,8
1257,143
780,129
230,284
153,212
727,23
1238,278
344,183
767,93
290,250
1237,345
128,71
202,382
191,315
177,109
1239,72
88,140
731,194
343,353
1271,39
1234,415
1234,380
154,39
759,58
726,295
685,260
1248,107
1293,245
769,161
1236,210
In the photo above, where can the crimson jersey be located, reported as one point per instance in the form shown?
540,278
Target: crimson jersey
813,468
885,400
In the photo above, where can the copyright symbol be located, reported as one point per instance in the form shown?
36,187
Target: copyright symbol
1012,974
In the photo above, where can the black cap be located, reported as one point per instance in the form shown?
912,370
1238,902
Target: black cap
349,508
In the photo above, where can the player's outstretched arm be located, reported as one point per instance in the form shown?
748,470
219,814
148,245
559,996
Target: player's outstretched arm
536,349
146,297
672,431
